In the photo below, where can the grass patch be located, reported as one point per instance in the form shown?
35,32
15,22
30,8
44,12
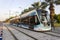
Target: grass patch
57,24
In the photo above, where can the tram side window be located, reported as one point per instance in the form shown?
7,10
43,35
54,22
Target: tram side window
32,20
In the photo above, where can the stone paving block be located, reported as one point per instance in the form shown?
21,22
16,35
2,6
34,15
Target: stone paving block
7,35
39,36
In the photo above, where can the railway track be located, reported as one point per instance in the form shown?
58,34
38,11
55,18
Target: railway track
37,35
16,38
52,34
7,35
12,34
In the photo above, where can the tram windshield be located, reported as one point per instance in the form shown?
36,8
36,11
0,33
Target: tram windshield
43,18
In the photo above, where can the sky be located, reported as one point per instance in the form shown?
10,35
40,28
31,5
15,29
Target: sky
10,8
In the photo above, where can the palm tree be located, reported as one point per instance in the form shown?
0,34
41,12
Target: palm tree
51,8
36,5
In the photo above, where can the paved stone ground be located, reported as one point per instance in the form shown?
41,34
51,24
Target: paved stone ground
24,34
6,34
38,36
57,29
0,31
19,35
1,26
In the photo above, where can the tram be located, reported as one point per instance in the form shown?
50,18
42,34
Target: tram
37,20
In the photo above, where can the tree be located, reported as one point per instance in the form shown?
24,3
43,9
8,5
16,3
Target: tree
51,8
25,11
30,8
58,18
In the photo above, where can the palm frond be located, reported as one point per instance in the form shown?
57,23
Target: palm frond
57,2
44,5
36,5
47,0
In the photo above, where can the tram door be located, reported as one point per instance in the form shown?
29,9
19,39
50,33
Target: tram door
31,22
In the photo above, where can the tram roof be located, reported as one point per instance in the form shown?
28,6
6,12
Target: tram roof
32,13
